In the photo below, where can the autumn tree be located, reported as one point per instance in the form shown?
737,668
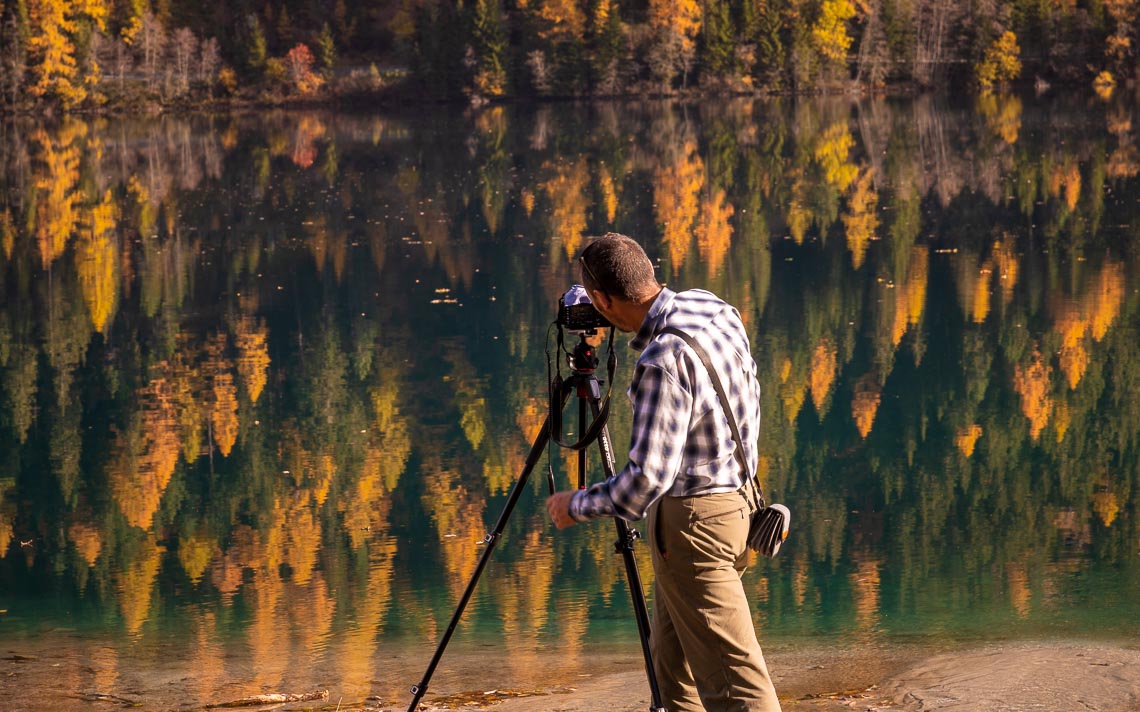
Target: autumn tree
829,32
1001,63
299,63
15,33
675,25
54,27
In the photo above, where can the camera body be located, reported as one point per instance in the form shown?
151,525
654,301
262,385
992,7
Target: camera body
576,313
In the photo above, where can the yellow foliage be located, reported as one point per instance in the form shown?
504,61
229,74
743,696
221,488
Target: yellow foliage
567,189
135,584
832,152
967,438
194,554
910,295
57,192
861,219
677,185
97,260
1062,418
683,17
714,231
1002,115
609,194
1106,506
251,340
1107,299
223,412
1000,64
829,33
7,233
564,20
1007,267
1031,381
1104,85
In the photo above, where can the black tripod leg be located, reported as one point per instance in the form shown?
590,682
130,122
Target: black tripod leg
624,545
489,540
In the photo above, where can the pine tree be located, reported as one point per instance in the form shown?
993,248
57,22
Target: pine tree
718,41
489,42
256,51
326,50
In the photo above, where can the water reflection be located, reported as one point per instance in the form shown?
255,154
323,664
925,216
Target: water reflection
266,380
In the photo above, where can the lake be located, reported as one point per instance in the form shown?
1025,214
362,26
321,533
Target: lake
267,379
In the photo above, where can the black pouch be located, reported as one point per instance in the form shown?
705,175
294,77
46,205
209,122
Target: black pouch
768,529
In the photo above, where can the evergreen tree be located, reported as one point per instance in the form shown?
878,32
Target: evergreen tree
489,42
326,50
256,51
769,48
718,39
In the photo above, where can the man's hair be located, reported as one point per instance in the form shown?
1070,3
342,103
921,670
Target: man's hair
616,264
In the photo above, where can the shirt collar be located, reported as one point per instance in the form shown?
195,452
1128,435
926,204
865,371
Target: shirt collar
652,321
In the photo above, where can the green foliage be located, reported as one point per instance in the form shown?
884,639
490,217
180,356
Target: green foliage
256,49
718,39
326,49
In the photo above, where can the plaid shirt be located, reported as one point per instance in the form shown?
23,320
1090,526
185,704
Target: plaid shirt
681,444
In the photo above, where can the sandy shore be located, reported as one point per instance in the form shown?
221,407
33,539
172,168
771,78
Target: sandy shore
1055,677
1052,676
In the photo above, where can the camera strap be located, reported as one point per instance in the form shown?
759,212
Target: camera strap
746,476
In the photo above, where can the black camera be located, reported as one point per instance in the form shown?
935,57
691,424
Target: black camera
576,313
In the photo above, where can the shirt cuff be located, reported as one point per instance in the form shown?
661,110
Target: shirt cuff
592,503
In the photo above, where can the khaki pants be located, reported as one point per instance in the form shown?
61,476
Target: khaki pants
705,651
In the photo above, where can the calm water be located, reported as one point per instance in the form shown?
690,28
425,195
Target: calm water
266,380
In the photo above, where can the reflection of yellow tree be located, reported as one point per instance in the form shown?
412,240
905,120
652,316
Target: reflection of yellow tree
250,337
87,539
861,219
677,185
458,519
1005,259
1066,179
967,438
714,231
865,403
146,454
358,657
1090,314
1019,593
97,258
567,190
223,395
135,584
832,152
195,551
910,295
1002,114
974,287
823,371
609,199
1031,381
523,598
57,192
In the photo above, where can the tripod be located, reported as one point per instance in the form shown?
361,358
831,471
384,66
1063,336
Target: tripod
585,384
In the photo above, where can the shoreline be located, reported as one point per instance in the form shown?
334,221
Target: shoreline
1010,676
63,671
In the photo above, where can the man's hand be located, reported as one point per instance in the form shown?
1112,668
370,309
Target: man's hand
558,504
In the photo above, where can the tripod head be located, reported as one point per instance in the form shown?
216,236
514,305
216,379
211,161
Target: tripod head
583,359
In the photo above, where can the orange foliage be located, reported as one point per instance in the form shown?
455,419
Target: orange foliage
910,296
145,459
223,406
865,403
714,231
682,17
1007,267
1019,593
1106,506
564,20
1066,177
87,539
677,185
1031,382
1107,299
609,194
823,371
967,438
309,131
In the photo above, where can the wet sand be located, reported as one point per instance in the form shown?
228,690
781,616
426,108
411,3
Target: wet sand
1052,676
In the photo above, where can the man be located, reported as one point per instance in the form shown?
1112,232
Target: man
683,473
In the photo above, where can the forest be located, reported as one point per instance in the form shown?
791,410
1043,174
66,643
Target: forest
86,54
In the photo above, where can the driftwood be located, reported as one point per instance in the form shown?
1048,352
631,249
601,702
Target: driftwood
273,699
